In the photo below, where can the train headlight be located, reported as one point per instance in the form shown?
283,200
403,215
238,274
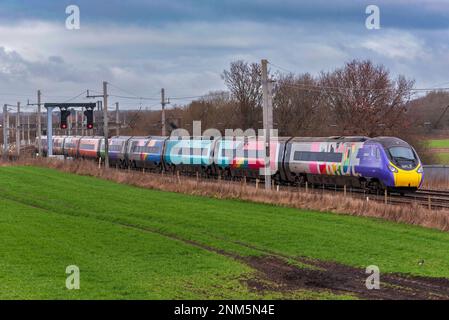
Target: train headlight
392,168
420,169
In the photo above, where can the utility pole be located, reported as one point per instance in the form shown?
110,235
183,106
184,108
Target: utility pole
267,120
5,132
105,124
100,109
28,129
18,130
163,103
117,119
39,124
82,124
105,120
76,122
22,127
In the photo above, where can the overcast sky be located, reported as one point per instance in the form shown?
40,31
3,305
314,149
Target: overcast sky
140,46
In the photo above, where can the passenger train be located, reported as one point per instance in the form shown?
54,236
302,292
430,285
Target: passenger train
382,163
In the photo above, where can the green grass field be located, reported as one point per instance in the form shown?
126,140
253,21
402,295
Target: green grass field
440,157
439,143
144,244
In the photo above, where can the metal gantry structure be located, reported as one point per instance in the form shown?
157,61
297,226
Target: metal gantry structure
62,106
267,120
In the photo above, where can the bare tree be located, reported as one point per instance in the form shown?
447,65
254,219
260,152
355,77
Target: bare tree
214,110
296,105
245,84
363,99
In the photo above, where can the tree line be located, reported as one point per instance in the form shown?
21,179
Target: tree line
360,98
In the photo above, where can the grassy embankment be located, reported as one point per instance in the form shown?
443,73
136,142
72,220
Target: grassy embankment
135,243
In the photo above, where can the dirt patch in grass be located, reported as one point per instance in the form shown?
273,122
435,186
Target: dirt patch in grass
275,274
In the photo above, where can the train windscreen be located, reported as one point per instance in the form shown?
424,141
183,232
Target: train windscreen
403,157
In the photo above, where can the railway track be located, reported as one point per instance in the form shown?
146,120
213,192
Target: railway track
431,199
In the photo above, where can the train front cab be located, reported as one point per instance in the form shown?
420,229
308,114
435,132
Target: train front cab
403,164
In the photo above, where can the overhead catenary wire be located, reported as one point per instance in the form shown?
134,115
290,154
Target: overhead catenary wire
136,115
187,98
131,95
76,97
331,88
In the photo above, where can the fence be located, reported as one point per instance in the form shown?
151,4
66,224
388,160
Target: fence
436,174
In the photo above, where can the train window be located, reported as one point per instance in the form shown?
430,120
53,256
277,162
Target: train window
317,156
377,153
115,148
144,149
402,153
87,147
152,149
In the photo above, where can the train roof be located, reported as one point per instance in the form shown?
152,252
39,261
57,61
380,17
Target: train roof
331,139
388,142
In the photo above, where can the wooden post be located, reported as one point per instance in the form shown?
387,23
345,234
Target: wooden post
277,188
307,187
344,191
197,176
257,184
430,203
386,196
